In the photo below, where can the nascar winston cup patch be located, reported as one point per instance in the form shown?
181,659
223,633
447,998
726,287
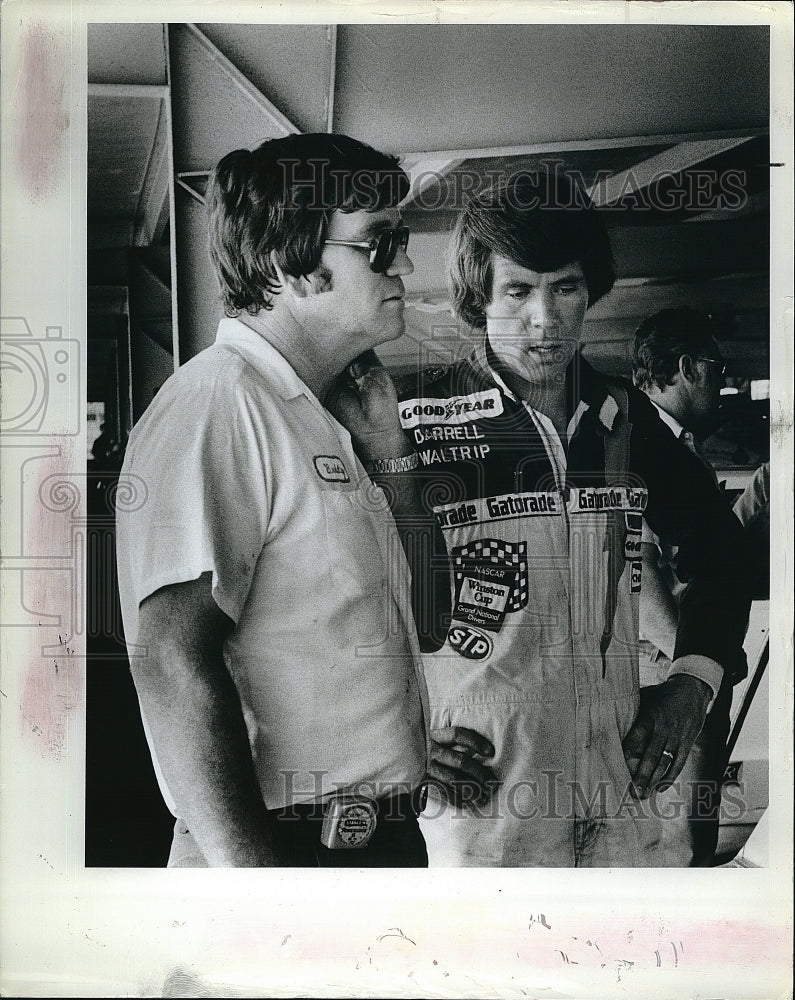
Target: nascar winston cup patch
490,581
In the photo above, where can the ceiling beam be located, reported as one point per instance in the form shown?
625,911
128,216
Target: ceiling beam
331,37
670,161
184,181
127,90
574,145
152,208
415,162
424,171
280,123
754,204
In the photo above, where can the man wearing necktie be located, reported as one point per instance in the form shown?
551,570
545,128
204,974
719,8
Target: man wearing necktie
678,364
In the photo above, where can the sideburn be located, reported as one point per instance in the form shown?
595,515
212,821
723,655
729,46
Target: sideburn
322,279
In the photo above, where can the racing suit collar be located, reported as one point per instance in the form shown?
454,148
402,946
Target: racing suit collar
583,383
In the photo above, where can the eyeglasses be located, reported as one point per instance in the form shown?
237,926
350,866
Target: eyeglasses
383,248
714,361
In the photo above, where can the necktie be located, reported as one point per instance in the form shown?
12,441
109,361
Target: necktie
697,450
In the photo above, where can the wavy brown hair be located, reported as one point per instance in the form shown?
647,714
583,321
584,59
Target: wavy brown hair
274,203
539,224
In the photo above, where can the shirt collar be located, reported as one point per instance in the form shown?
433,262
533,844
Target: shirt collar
585,387
666,418
263,356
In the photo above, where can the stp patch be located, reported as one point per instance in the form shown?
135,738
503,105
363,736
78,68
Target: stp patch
470,642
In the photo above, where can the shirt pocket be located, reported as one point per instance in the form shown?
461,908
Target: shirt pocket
366,562
360,532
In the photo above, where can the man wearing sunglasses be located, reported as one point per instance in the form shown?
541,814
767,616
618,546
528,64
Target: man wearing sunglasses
676,361
269,590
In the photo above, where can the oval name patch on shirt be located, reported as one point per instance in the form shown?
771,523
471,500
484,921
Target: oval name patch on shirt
331,469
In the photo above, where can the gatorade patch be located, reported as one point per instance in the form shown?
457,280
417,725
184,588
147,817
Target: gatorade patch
587,499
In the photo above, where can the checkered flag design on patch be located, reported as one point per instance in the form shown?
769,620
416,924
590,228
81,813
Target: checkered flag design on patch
498,553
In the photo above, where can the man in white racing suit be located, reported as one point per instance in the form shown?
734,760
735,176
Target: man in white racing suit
544,471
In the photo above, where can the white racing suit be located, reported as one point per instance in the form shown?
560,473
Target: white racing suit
542,653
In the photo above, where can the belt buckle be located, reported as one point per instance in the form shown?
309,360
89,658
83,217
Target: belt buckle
349,822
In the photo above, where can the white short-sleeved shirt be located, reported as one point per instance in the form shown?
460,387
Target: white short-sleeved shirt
246,475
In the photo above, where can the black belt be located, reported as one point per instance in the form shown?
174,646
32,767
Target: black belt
349,821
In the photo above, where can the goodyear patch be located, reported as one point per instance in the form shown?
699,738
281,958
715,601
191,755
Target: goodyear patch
453,410
634,576
632,546
633,537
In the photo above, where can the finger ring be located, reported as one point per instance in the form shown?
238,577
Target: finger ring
668,754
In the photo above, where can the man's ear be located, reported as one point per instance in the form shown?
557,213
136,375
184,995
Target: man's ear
688,370
299,286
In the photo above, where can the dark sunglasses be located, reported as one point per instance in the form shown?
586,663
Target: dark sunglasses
383,248
714,361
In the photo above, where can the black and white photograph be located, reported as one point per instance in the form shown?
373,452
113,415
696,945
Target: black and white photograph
396,399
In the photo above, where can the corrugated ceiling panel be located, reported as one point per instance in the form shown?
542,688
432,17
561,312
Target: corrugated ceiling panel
121,134
430,87
289,63
212,113
126,53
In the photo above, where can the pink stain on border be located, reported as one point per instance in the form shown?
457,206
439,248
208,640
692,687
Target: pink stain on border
737,943
42,119
54,680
